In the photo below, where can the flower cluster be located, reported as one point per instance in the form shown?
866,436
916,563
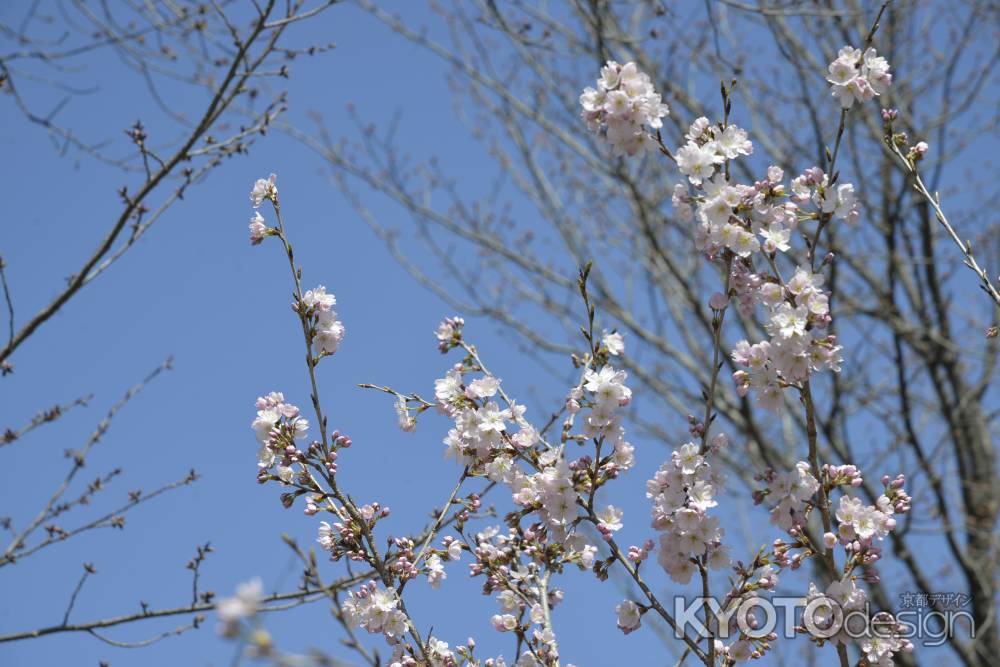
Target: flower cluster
799,312
522,596
709,146
838,615
813,186
449,333
327,330
480,436
435,570
440,653
864,522
748,219
244,605
604,393
624,103
344,536
278,425
262,189
554,491
682,492
899,142
376,609
857,76
792,490
750,224
483,438
860,524
543,480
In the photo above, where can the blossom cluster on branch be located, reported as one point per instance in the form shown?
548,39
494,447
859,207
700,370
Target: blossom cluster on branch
749,225
857,76
682,491
555,475
624,104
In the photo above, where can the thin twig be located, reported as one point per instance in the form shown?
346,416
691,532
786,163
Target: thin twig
7,298
308,595
88,570
43,417
78,463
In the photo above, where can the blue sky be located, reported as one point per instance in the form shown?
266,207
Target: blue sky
195,289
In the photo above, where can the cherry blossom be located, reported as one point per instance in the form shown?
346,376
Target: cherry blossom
264,189
858,77
624,104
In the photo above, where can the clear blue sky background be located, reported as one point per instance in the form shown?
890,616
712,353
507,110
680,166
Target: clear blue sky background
195,289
